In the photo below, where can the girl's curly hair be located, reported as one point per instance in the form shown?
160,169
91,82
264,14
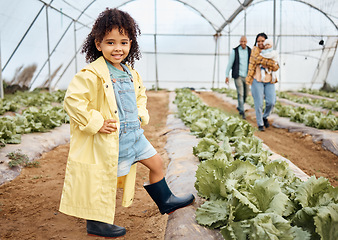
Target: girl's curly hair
106,21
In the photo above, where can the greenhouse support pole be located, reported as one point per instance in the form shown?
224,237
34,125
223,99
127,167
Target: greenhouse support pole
155,46
2,95
244,21
215,60
274,24
48,50
75,46
156,70
54,49
229,44
280,46
229,48
218,61
66,68
23,37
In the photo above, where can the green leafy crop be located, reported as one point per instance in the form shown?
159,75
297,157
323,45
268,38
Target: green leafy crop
247,195
39,112
309,117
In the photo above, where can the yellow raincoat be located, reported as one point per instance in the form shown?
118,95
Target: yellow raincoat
91,181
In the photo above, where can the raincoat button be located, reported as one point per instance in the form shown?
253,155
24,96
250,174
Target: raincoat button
107,86
139,86
115,111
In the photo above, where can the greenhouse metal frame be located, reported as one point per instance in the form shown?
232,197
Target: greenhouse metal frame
58,43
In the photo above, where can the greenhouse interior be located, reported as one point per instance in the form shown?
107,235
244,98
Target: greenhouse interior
235,164
183,43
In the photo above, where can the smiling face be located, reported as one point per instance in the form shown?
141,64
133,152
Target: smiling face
260,42
243,42
115,47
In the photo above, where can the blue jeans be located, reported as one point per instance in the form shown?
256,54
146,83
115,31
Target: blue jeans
261,91
242,93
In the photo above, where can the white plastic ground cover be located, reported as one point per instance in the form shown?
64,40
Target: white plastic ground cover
33,145
181,178
329,138
313,96
307,106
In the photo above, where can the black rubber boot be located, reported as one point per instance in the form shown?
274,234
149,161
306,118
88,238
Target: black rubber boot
101,229
266,123
242,115
165,200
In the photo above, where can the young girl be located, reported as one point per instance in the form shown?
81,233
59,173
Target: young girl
106,102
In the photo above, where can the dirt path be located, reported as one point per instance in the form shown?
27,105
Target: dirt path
299,149
29,203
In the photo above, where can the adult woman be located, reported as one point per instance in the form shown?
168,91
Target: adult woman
261,89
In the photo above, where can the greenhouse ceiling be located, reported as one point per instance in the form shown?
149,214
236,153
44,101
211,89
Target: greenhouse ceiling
40,40
218,13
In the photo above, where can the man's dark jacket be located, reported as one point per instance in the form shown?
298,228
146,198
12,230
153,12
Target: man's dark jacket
235,65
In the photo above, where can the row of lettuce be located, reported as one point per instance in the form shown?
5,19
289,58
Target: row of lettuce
30,112
309,117
247,195
323,103
321,93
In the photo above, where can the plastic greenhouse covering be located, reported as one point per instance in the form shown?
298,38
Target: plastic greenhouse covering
184,43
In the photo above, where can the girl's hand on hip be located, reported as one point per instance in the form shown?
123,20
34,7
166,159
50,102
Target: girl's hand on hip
109,126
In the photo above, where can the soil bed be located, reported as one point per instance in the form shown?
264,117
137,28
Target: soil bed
29,204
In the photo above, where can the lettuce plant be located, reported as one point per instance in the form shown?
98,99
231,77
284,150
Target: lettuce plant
248,196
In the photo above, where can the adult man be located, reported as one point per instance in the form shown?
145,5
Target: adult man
238,63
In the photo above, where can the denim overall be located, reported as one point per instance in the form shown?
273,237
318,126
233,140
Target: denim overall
133,146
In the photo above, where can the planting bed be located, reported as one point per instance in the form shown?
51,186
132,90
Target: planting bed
299,148
29,203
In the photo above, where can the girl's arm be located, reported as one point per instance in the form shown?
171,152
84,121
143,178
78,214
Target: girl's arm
78,102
